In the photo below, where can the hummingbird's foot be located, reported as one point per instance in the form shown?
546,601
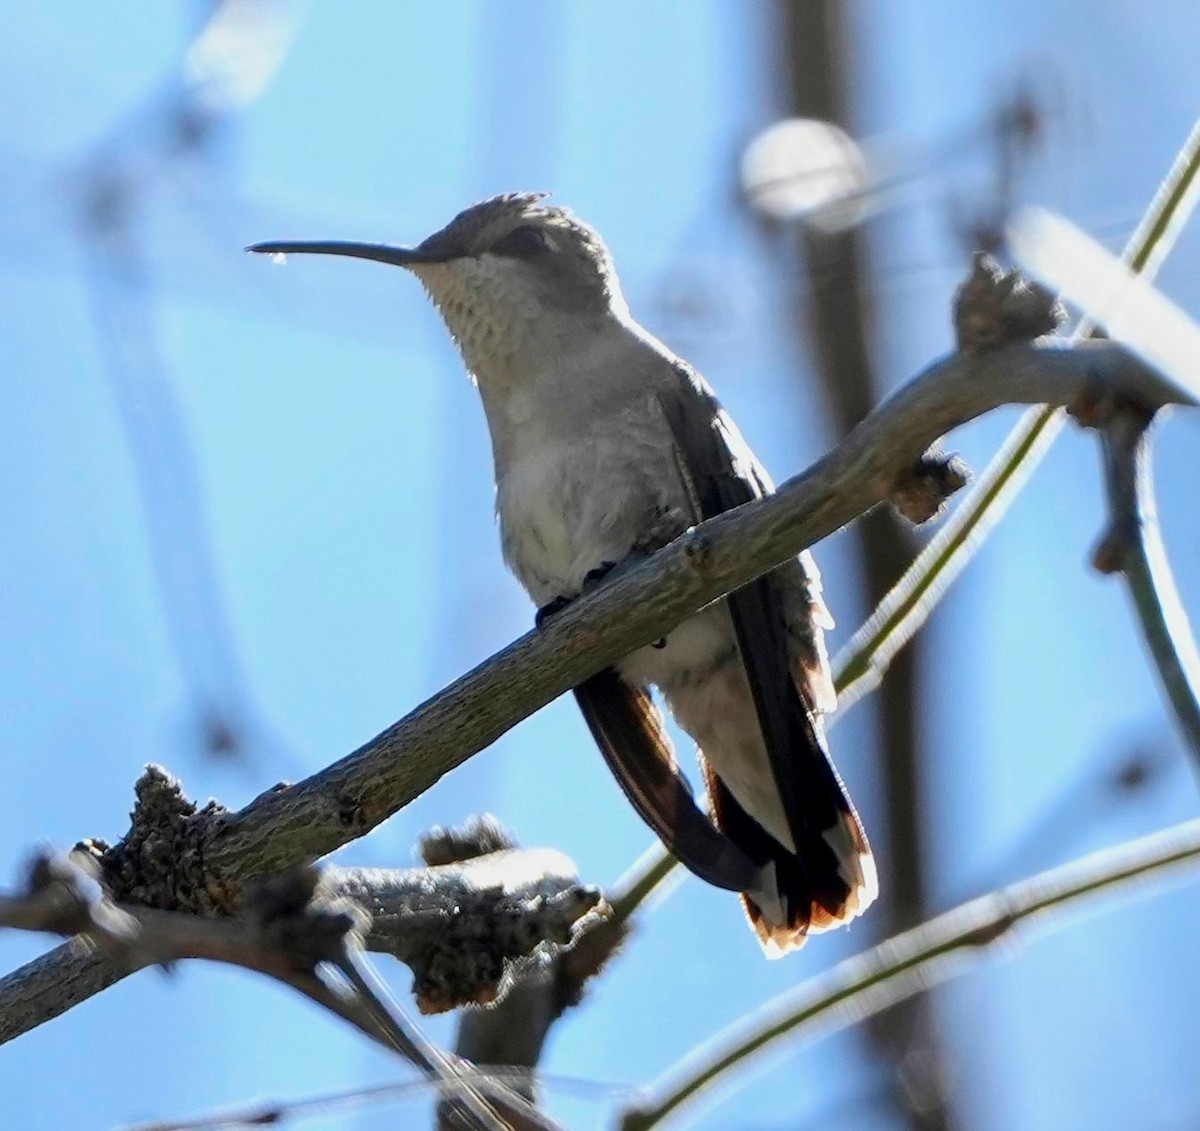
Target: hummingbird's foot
550,609
593,577
590,580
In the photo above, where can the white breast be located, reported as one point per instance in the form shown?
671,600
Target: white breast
567,507
536,528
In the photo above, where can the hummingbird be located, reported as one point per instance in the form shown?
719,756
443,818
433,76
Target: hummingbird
607,446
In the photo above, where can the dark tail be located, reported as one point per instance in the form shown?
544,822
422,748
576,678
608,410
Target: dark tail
828,881
629,731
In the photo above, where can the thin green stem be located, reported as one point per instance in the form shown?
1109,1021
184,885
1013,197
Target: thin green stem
911,962
1159,228
861,664
1134,547
636,886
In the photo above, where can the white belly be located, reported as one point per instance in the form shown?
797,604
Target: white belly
704,684
570,508
541,543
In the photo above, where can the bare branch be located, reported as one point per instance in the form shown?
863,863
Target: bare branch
912,961
512,1033
1133,547
644,603
293,929
277,937
51,984
461,928
464,928
291,824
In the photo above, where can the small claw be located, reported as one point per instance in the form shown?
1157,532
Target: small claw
547,611
593,577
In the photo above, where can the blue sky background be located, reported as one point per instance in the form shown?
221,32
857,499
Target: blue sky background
342,465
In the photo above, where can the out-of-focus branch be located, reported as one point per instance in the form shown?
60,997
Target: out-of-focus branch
912,961
156,151
463,929
1133,547
275,1113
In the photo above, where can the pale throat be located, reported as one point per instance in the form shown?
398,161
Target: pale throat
544,375
491,320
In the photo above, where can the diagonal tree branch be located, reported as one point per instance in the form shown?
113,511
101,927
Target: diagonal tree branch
291,824
355,794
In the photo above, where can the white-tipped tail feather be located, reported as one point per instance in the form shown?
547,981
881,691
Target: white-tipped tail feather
777,912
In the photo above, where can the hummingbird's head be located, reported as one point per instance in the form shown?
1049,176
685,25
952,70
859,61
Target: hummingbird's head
511,276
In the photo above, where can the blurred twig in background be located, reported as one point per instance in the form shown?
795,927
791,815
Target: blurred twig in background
838,319
173,136
1132,546
911,962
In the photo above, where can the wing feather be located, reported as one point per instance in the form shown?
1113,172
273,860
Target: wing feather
721,474
629,730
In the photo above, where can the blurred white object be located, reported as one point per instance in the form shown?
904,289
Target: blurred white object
802,168
1109,293
239,50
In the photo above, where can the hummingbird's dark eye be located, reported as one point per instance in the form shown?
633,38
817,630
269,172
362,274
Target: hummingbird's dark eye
523,242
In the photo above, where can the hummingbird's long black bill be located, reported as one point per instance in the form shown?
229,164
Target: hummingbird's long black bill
380,252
